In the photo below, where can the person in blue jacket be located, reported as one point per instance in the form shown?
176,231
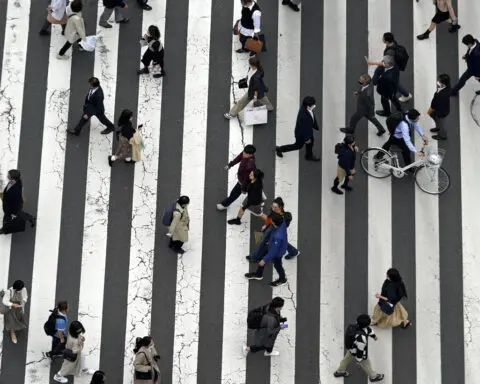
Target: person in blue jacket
472,57
346,164
276,249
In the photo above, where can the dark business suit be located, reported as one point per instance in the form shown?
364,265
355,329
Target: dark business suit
93,106
387,86
472,57
12,204
365,108
440,109
303,133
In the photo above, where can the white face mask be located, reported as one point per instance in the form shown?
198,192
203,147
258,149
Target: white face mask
439,85
312,107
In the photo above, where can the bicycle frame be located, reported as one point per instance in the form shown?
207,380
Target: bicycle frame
395,169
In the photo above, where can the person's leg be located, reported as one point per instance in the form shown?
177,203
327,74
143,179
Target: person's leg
63,29
461,82
64,49
366,365
108,124
377,124
342,368
309,150
407,157
107,12
239,105
265,101
356,117
176,245
402,90
292,251
259,271
256,348
259,252
440,123
80,125
388,143
291,147
119,16
45,28
277,264
234,195
143,4
396,103
27,217
385,105
243,40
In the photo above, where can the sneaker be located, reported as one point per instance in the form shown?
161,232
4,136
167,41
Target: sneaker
278,152
253,276
288,257
62,57
423,36
245,349
221,207
379,377
125,20
60,379
110,161
228,116
273,353
105,25
341,374
347,130
146,7
179,251
48,355
438,137
241,50
454,28
278,283
235,221
336,190
404,99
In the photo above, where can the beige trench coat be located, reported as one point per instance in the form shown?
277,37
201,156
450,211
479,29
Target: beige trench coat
136,143
73,367
144,362
75,28
180,224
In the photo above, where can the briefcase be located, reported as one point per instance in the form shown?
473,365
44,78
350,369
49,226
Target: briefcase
254,45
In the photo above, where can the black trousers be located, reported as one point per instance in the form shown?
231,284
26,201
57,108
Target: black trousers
66,47
156,57
461,82
385,100
47,25
357,116
57,347
175,244
299,143
256,348
101,117
400,143
234,195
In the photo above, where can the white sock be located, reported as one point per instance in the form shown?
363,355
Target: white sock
128,159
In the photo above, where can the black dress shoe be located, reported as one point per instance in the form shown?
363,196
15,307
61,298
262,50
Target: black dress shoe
293,6
241,50
435,130
44,32
347,130
143,71
423,36
312,158
438,137
107,131
382,113
285,2
123,21
73,132
477,92
278,151
146,7
381,133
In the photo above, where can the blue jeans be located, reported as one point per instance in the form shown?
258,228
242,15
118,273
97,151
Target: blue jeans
262,248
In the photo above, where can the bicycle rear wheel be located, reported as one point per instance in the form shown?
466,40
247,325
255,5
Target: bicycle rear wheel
376,162
433,181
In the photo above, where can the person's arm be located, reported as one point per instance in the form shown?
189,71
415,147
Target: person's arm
273,250
175,220
406,137
419,129
61,326
257,16
235,161
81,28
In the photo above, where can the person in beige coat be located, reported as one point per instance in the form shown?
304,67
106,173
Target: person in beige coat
75,29
145,363
74,346
178,229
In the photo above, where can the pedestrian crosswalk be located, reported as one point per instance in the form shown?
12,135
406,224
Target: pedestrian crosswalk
99,241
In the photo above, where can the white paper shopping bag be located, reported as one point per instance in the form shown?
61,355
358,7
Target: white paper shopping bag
255,115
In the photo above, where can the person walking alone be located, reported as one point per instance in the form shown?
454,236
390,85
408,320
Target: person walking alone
93,106
356,343
126,132
249,26
387,87
154,52
268,328
75,28
145,363
246,161
306,123
178,229
440,106
72,363
13,309
56,14
365,107
257,91
444,12
111,6
389,312
347,154
472,58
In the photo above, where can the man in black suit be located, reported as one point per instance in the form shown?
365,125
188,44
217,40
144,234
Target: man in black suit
440,106
472,57
306,123
365,107
93,107
387,86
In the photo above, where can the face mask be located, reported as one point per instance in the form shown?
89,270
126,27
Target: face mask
439,85
359,82
312,107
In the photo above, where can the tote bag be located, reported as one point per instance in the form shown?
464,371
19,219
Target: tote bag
89,43
255,115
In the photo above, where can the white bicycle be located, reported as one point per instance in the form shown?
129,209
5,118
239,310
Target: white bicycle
429,175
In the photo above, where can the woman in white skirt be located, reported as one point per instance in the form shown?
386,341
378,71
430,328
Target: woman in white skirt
13,309
389,312
56,14
145,363
72,355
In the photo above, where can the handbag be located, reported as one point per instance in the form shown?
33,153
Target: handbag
235,29
386,307
3,308
69,355
143,375
243,83
89,43
255,45
255,115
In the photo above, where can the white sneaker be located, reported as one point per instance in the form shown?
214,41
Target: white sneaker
404,99
60,379
62,57
228,116
220,207
273,353
246,349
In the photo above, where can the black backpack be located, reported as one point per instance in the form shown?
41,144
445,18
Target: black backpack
255,316
339,147
401,57
287,216
350,334
393,120
50,326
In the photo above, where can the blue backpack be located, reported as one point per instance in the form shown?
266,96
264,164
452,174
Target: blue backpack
168,214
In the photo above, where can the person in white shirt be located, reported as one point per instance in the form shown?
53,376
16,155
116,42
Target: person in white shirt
249,26
13,307
56,14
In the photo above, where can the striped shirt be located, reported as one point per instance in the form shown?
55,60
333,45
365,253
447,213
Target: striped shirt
360,345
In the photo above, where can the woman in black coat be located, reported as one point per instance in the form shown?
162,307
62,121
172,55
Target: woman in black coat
154,51
255,197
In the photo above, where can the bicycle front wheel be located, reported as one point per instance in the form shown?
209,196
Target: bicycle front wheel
377,162
433,181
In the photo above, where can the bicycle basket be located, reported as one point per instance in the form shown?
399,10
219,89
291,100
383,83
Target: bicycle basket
434,157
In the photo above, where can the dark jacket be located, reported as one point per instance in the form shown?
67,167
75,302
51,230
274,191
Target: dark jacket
256,84
366,101
269,329
127,130
246,166
277,245
394,291
12,201
94,105
346,158
113,3
441,102
473,60
305,125
254,194
387,83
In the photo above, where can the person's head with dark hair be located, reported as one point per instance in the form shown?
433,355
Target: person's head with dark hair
142,342
413,115
363,320
277,219
18,285
154,32
444,80
98,377
76,6
93,82
125,117
183,201
249,150
278,202
308,102
394,276
468,40
14,174
257,174
76,329
388,38
277,303
254,63
349,139
62,306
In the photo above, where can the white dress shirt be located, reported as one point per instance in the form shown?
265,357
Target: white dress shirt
256,16
58,9
403,132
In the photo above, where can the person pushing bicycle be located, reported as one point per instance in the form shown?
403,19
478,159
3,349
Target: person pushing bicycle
399,127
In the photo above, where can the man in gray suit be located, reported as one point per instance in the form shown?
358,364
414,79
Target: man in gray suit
365,106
